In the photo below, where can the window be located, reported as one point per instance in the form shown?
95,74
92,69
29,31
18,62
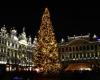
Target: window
92,54
76,48
95,47
96,55
8,43
84,48
62,56
12,44
76,55
73,55
80,55
66,48
8,53
16,46
69,48
2,50
80,48
70,56
87,47
91,47
62,49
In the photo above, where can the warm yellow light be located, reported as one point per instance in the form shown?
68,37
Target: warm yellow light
47,50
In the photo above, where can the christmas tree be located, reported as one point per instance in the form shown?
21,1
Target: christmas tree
47,56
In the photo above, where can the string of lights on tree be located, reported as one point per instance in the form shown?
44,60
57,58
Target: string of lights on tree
47,55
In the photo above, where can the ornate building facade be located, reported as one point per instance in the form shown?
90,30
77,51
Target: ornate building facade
80,49
16,51
19,50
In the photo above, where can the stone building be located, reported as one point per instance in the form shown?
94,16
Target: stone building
80,49
16,51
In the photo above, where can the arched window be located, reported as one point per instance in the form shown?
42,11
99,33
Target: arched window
12,44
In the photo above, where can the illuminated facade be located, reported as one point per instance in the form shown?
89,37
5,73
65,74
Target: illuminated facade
80,49
16,50
20,50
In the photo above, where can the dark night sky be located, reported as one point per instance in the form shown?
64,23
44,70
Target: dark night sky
65,20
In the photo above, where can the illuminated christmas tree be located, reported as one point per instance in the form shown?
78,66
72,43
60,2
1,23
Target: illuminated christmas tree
47,56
